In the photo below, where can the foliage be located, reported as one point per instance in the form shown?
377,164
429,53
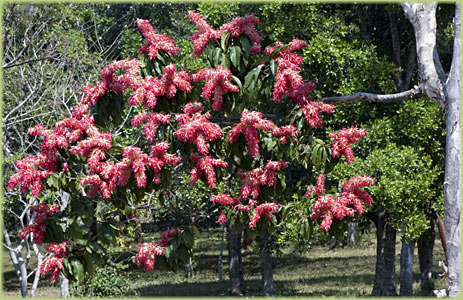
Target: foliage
108,281
403,188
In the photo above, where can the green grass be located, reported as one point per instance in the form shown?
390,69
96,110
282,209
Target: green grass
318,272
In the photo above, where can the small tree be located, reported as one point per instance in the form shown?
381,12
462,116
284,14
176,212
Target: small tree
94,158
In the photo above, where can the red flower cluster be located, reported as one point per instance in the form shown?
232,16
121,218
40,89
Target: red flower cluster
312,112
146,253
28,175
286,132
319,188
222,218
342,140
245,25
39,226
148,91
119,83
60,249
217,83
168,235
287,78
153,120
205,164
172,79
225,200
326,206
206,33
196,128
249,123
154,42
236,27
55,263
351,190
264,175
265,210
133,160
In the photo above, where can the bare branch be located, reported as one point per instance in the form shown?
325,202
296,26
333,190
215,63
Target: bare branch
416,92
7,66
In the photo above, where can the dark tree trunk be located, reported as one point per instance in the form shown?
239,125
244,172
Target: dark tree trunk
235,261
385,279
425,253
406,268
268,288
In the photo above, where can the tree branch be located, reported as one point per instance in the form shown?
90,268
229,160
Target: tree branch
9,65
416,92
422,16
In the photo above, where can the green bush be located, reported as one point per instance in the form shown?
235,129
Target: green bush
107,281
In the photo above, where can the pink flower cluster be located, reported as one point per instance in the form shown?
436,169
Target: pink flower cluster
287,78
196,128
249,123
289,82
119,83
168,235
153,121
154,42
245,25
351,190
28,174
286,132
151,87
342,140
312,112
146,254
236,27
264,175
217,83
352,200
222,218
205,164
265,210
109,175
55,263
39,226
206,33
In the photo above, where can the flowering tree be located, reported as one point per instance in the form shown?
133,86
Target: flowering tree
248,116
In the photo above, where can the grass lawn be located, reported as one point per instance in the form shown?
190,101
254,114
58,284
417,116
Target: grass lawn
318,272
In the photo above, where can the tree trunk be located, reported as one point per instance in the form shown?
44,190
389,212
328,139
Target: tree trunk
452,206
63,286
221,253
351,233
406,268
425,254
385,279
235,260
266,266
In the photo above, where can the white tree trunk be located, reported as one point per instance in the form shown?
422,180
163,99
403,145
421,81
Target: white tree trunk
452,164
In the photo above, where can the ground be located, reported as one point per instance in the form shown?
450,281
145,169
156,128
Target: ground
316,271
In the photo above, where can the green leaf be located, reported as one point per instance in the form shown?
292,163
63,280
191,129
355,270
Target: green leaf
217,56
251,77
78,270
273,67
224,40
237,81
225,60
246,45
235,54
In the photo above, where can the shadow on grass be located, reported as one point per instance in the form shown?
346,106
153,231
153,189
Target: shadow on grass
253,287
